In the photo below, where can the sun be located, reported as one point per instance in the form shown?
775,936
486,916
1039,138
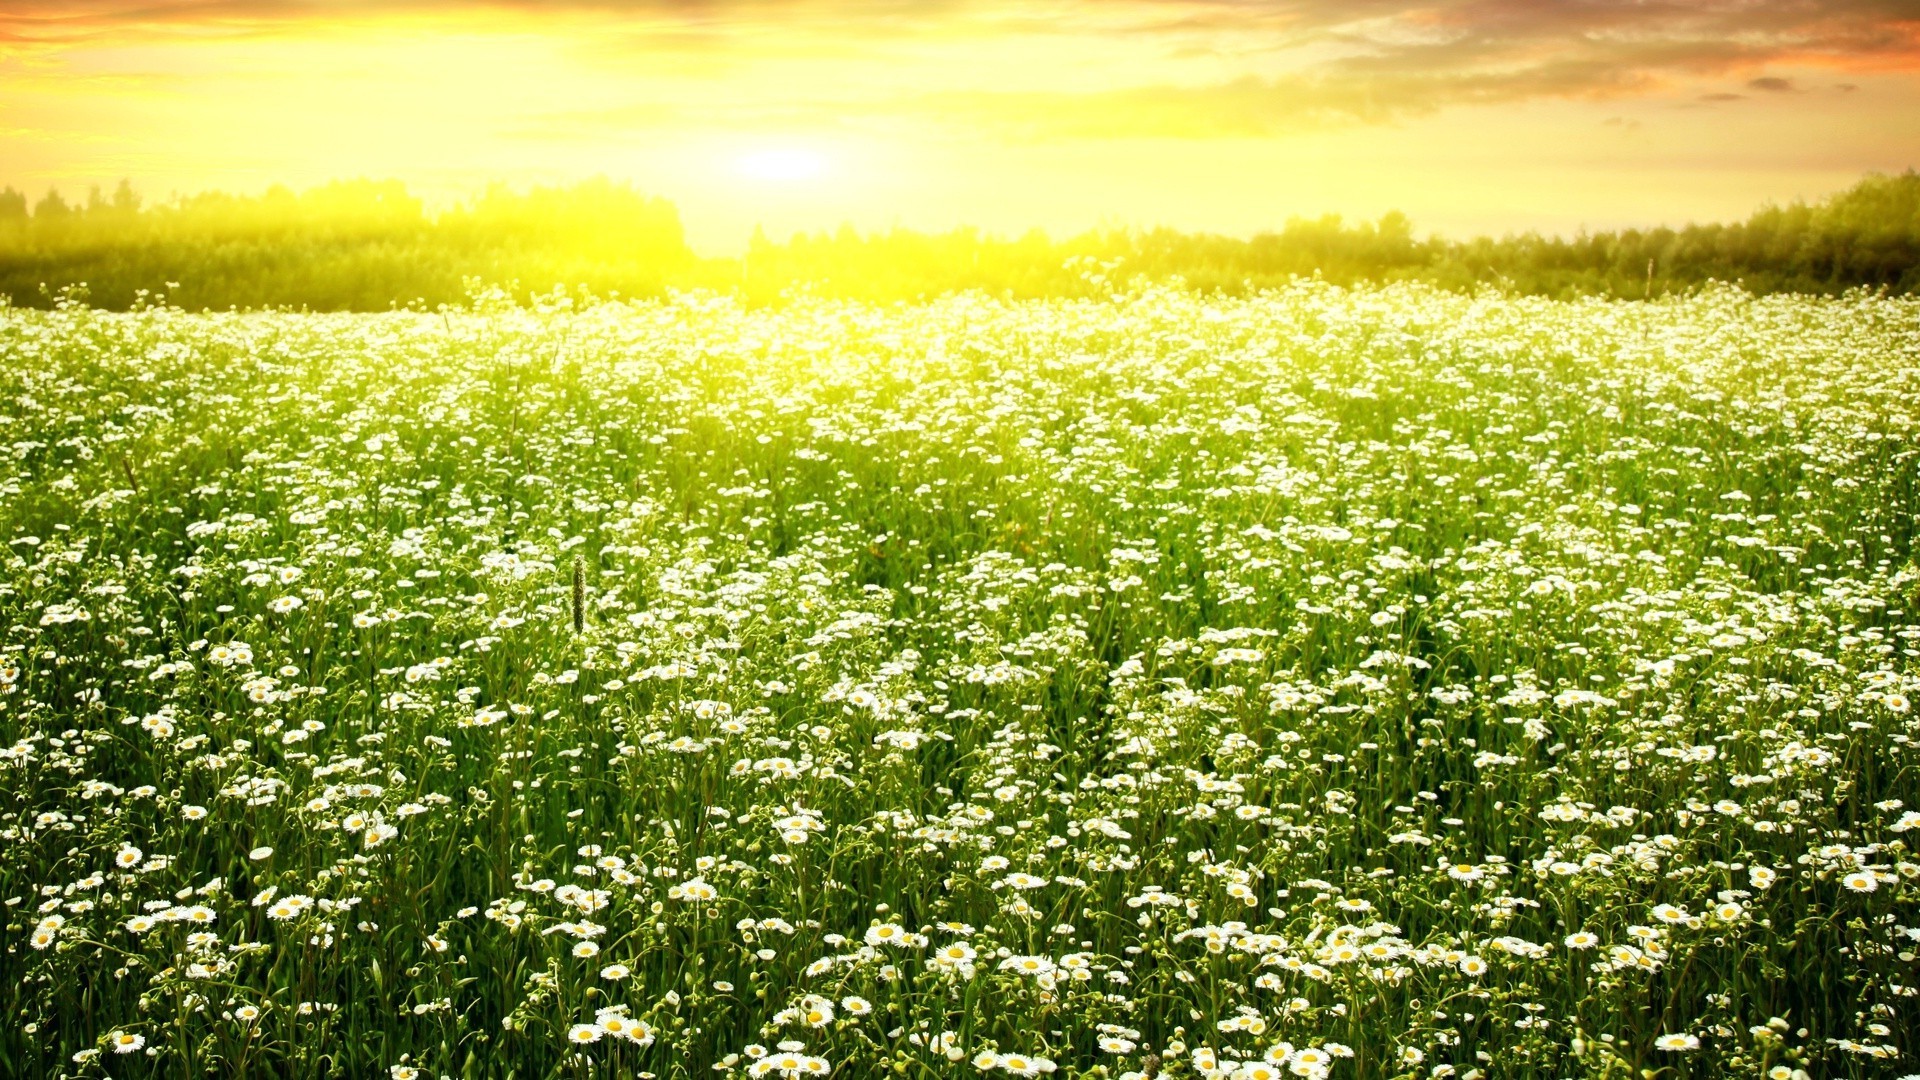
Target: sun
781,164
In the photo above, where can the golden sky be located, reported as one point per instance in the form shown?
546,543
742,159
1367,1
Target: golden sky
1231,115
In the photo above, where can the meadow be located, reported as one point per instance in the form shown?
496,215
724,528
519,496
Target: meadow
1320,682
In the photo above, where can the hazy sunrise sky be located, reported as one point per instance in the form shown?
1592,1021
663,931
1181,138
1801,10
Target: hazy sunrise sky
1230,115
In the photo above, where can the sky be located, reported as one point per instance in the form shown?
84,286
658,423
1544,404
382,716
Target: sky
1470,116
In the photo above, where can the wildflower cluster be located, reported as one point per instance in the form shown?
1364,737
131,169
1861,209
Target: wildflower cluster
1322,683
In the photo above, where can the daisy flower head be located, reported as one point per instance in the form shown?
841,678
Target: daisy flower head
126,1042
1310,1061
886,934
1669,914
1860,881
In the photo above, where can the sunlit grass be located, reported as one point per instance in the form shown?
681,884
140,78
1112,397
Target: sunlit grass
1364,684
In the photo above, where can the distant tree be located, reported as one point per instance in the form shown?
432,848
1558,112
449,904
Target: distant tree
368,245
125,200
51,207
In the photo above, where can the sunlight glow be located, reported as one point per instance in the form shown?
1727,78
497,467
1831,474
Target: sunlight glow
782,165
1006,115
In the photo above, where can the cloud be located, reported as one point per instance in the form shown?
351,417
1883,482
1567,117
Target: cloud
1396,61
1245,67
1399,59
1839,29
1255,107
85,21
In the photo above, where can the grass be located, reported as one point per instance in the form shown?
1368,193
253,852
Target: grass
1357,683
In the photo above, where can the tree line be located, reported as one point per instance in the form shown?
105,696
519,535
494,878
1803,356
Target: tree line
368,246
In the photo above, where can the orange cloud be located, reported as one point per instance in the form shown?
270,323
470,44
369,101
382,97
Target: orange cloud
1239,66
1209,113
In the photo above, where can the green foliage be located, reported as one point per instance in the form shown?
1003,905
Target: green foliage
1353,684
356,246
1866,236
369,247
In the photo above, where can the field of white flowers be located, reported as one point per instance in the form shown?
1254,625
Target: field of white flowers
1321,684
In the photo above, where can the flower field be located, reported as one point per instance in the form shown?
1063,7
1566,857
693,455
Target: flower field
1325,683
